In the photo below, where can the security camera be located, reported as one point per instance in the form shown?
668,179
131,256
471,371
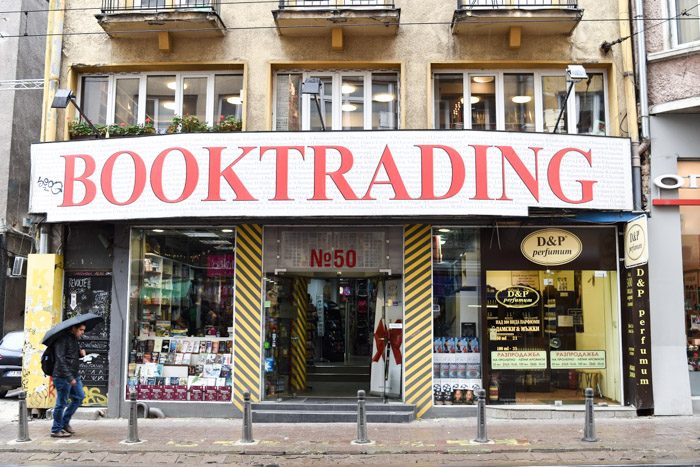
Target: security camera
576,73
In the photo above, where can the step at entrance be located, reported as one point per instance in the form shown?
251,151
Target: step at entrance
337,374
330,411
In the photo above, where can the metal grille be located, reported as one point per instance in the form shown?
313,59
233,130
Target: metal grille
515,4
334,4
155,6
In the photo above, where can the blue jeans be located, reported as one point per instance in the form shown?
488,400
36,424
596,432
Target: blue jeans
63,411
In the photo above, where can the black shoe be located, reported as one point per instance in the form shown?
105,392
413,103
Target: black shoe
69,429
60,434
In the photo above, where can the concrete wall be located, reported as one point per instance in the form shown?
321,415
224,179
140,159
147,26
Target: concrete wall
20,110
672,76
673,136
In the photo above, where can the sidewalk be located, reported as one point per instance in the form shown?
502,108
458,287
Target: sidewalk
665,440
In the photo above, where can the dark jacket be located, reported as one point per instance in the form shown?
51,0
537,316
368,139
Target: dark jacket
67,352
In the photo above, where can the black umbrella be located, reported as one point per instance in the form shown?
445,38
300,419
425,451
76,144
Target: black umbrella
90,320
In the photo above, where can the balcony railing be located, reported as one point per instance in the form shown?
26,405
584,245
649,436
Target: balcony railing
335,4
157,6
515,4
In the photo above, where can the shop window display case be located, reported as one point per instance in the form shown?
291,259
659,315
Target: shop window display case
181,315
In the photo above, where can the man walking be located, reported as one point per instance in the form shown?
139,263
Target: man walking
67,354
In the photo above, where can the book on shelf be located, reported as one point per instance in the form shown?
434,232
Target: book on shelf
215,347
147,357
165,347
187,359
203,347
163,328
149,345
178,359
173,345
178,347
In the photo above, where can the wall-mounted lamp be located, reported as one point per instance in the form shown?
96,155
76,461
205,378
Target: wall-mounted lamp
61,100
574,74
314,87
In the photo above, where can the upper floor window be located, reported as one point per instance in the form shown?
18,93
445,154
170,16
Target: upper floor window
686,28
349,100
132,98
519,101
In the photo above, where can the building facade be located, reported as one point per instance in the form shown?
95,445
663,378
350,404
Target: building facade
20,99
418,199
672,58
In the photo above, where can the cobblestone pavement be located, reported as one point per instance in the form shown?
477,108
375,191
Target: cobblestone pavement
644,440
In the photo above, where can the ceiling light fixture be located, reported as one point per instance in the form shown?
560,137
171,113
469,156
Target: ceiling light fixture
170,105
348,107
348,88
474,99
482,79
384,97
521,99
235,100
158,230
227,230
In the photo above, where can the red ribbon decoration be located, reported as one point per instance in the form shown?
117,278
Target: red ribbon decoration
393,336
379,340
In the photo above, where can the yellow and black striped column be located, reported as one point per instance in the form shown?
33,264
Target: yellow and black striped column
299,334
418,318
247,318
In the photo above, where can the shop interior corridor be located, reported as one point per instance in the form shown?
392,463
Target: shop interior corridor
319,336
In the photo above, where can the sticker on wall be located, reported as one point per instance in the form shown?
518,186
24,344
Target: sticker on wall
517,296
551,247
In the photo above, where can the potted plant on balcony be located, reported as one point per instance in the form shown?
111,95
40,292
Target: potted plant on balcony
187,124
227,124
80,129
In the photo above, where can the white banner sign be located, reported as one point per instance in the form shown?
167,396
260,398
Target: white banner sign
636,242
373,173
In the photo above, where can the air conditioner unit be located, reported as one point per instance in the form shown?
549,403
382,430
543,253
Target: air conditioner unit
19,267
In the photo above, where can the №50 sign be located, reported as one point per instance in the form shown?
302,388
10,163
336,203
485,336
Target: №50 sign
386,173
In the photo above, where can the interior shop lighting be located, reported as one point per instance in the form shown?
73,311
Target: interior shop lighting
61,100
235,100
574,74
347,88
482,79
172,85
196,234
158,230
384,97
348,107
521,99
227,230
444,230
170,105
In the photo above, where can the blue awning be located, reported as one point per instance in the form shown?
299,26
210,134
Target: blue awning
605,217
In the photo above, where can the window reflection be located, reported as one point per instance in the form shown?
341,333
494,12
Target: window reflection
160,101
449,101
519,92
482,99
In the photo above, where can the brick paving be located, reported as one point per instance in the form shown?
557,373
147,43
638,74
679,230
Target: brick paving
644,440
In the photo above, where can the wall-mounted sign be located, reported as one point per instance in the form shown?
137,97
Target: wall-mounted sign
519,360
517,296
335,173
636,251
668,182
577,359
551,247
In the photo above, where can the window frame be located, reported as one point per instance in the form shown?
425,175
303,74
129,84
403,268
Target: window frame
538,74
337,97
674,25
211,118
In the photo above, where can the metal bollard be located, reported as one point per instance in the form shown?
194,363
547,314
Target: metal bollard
589,428
247,420
481,417
361,419
23,422
133,436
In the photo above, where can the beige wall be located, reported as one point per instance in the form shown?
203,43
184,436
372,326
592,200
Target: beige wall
415,48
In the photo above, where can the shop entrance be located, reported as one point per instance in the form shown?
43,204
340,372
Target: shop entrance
328,336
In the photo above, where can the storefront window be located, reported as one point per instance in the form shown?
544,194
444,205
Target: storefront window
456,315
552,320
690,230
181,314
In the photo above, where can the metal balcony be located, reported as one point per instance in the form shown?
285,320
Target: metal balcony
356,17
186,18
543,17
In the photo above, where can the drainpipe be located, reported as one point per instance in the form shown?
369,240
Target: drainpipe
52,68
643,146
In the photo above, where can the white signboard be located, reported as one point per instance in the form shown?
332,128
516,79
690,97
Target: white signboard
519,360
636,242
283,174
581,359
